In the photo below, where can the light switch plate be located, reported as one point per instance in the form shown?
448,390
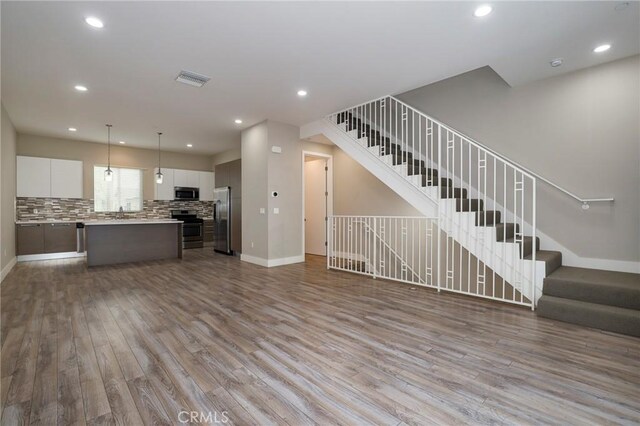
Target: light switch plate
262,210
276,149
276,210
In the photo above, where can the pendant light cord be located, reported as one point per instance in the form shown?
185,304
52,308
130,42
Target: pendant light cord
108,146
159,168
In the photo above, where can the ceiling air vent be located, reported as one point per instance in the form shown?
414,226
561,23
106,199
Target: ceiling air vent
192,79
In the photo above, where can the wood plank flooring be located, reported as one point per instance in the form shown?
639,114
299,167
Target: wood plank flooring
296,345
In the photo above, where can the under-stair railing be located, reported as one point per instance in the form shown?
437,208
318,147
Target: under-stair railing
487,204
398,248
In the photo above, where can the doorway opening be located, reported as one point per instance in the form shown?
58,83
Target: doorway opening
317,201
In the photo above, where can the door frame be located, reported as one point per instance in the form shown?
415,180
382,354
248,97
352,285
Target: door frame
329,159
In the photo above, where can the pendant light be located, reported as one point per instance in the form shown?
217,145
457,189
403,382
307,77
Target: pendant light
159,174
108,174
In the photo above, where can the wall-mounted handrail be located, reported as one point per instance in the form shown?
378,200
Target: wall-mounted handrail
585,201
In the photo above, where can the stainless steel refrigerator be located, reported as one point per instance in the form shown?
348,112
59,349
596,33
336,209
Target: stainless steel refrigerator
222,220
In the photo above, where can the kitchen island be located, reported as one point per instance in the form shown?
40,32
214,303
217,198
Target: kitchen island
122,241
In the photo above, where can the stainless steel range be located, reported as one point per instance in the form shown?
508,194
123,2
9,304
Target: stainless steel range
192,228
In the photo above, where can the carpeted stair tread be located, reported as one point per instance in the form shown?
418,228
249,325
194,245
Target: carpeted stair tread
450,192
552,259
469,204
611,288
526,245
428,181
505,231
488,218
604,317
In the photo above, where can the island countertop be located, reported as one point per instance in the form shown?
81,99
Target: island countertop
131,222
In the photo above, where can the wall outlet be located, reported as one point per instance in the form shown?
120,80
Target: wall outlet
35,211
276,210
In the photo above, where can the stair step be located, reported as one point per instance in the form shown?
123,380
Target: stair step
505,231
603,317
385,144
343,116
428,181
552,259
449,192
488,218
619,289
469,204
526,245
418,168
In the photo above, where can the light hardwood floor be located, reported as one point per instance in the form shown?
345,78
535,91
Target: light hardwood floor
138,344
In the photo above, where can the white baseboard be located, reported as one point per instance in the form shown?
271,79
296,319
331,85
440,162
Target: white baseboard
49,256
8,268
268,263
255,260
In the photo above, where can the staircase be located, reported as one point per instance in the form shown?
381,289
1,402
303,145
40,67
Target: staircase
485,205
601,299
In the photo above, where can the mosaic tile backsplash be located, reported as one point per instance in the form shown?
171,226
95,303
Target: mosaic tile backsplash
73,209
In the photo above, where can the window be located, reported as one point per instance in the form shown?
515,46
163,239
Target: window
124,190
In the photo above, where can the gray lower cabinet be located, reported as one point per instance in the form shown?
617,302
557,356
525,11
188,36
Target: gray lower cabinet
40,238
30,238
60,237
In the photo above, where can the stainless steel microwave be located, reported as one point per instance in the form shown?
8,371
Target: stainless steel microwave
182,193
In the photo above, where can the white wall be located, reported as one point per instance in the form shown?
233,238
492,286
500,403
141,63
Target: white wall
580,130
7,193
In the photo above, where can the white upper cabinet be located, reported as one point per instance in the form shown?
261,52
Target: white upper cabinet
66,178
164,190
206,186
187,178
47,177
33,177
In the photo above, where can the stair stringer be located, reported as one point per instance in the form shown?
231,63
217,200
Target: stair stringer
412,194
480,241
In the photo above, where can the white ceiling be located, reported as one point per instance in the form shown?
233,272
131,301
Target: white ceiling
259,54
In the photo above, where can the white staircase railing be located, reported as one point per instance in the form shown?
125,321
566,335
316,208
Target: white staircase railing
396,248
486,203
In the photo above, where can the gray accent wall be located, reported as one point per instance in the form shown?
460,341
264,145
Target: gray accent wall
7,190
580,130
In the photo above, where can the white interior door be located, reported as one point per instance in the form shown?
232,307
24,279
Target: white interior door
315,206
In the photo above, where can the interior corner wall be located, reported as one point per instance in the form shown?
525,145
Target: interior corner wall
580,130
225,157
254,148
7,191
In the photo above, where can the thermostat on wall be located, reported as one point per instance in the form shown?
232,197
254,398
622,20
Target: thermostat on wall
276,149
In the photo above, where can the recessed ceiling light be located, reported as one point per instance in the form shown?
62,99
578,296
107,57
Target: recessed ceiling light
238,121
556,62
80,88
122,142
94,22
302,93
602,48
189,145
72,129
482,11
